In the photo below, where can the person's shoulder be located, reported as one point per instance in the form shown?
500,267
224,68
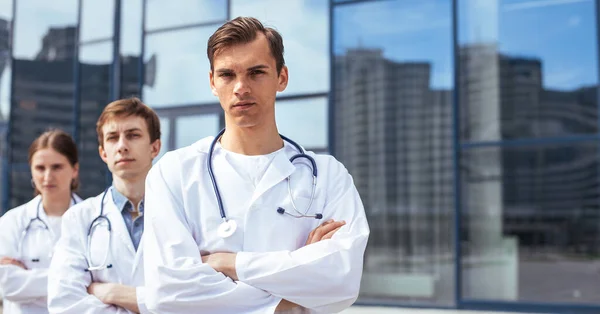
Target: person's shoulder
15,215
83,211
328,163
187,153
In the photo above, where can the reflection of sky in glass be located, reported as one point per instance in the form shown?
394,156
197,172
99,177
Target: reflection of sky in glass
562,34
182,68
304,121
131,30
93,14
100,53
304,26
191,129
6,9
34,19
406,31
161,14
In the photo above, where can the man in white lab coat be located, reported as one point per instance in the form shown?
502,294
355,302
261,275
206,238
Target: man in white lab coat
104,273
250,254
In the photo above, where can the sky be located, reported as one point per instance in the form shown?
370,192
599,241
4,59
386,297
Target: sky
559,32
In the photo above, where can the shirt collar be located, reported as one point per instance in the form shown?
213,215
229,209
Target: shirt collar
121,201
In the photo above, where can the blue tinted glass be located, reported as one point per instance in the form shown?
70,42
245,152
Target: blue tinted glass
176,69
304,121
43,82
392,116
163,14
97,19
95,64
304,26
190,129
528,69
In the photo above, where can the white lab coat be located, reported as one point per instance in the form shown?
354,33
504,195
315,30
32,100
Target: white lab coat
25,291
68,280
182,218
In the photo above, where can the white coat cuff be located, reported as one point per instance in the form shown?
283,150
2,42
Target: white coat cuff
140,294
242,259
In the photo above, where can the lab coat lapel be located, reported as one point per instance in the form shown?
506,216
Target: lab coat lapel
137,261
279,169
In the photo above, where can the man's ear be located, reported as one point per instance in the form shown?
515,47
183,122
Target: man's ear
283,79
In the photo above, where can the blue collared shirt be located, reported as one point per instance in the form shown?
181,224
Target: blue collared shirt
135,227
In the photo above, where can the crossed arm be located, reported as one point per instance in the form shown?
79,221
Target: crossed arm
225,262
70,287
323,276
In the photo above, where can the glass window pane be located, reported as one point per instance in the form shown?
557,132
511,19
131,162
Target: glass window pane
43,83
393,86
97,19
193,128
162,14
165,125
176,69
531,223
131,47
95,62
304,121
518,82
5,90
45,30
304,26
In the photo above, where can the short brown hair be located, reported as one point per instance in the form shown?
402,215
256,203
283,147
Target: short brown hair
243,30
61,142
129,107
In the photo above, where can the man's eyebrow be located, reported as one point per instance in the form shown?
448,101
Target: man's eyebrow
258,67
224,70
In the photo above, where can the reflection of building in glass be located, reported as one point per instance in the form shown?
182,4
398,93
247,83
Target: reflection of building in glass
4,64
95,94
44,97
58,44
393,133
539,189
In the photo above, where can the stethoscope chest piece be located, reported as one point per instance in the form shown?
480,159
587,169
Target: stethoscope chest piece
227,228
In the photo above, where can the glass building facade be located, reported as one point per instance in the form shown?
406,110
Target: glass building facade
471,127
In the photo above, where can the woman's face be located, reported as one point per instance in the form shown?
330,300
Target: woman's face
52,173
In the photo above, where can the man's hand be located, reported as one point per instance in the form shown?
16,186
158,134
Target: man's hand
325,231
102,291
11,261
223,263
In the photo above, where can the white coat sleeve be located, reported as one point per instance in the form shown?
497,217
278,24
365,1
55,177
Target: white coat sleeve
140,294
68,280
324,276
177,281
18,284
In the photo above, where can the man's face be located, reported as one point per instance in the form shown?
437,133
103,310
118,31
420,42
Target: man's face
127,149
246,81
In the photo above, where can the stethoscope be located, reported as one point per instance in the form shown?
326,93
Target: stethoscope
228,226
30,224
95,223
